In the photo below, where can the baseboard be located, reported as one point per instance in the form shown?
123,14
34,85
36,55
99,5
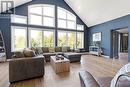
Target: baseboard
106,56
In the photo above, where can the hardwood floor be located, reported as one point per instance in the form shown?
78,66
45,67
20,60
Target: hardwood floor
97,66
123,57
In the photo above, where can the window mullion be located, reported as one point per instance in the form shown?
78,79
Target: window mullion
26,36
67,38
42,38
43,15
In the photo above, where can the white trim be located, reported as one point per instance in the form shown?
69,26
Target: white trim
66,19
42,30
12,37
79,25
82,40
105,56
66,32
20,17
42,15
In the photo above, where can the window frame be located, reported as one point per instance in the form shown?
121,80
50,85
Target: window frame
82,40
67,37
39,29
79,25
13,37
53,36
29,35
66,19
18,16
42,15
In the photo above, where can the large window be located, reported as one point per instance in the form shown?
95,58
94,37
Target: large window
80,27
43,15
80,40
66,19
19,38
19,19
48,38
35,38
62,38
66,38
39,37
71,39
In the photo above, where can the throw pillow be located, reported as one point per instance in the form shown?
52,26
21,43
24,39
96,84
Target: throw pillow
34,49
18,54
39,50
28,53
58,49
51,49
123,70
45,49
68,49
64,49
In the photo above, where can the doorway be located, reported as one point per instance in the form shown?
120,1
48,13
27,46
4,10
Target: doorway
119,45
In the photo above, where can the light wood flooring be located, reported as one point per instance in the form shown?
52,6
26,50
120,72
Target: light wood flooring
97,66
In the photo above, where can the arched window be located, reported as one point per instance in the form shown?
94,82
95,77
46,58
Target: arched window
66,19
43,15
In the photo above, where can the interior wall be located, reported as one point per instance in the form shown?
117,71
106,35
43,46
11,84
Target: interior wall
5,28
106,28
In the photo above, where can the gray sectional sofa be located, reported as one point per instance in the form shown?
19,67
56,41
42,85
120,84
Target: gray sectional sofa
50,51
73,57
26,68
25,65
29,63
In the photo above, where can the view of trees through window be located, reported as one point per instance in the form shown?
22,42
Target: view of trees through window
40,38
80,40
48,38
43,15
69,39
35,38
62,39
19,41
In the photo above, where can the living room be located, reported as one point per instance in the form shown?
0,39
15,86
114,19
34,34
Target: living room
64,43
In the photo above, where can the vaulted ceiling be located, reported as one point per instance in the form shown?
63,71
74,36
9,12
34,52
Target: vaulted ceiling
94,12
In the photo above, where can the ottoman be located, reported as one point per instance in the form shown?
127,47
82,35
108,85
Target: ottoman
73,57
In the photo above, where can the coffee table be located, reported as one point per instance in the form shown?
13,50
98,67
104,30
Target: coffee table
60,65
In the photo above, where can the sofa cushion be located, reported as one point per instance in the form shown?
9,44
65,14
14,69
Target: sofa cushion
123,70
39,50
58,49
35,50
18,54
28,53
51,49
68,49
45,49
64,49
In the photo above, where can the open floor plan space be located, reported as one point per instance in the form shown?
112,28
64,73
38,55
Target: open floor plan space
64,43
97,66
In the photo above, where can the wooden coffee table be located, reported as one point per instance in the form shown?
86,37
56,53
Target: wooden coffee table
60,65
